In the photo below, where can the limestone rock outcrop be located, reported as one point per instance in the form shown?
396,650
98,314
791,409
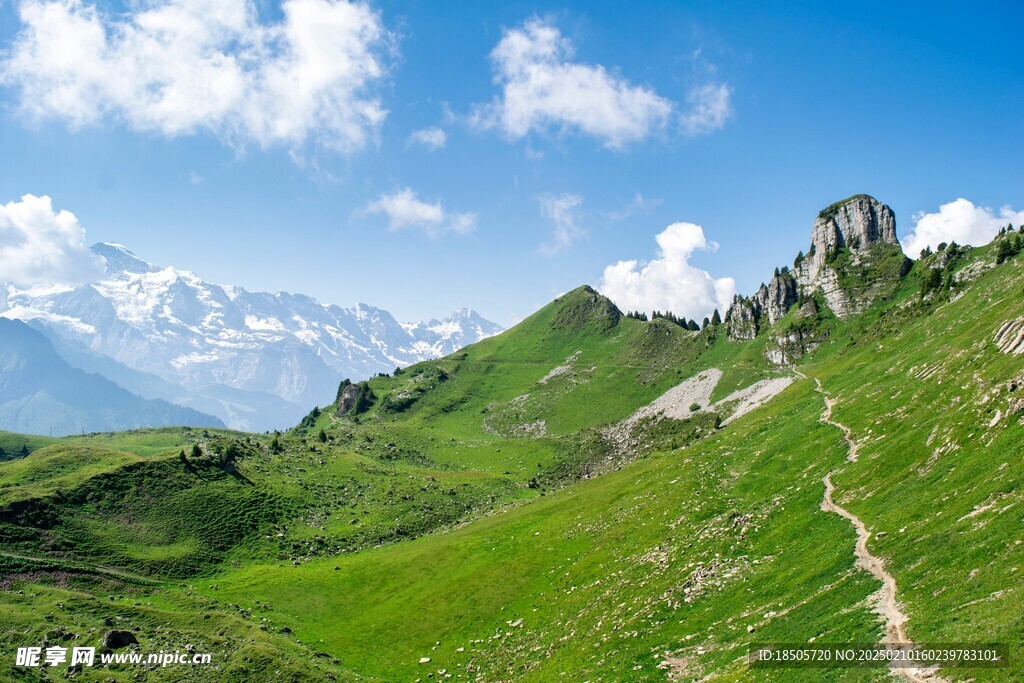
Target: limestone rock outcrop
746,315
854,258
856,223
864,230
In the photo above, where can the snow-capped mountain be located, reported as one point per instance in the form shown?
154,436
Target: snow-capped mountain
210,338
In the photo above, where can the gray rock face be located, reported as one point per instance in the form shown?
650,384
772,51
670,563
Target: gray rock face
857,224
347,398
741,319
852,229
777,297
765,307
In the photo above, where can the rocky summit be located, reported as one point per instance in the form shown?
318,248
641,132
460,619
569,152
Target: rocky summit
854,258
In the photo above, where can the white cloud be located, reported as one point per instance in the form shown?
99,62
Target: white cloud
563,210
541,88
404,210
710,106
958,221
38,246
195,178
670,282
177,67
431,138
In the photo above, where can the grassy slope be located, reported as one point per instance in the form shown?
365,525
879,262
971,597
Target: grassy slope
952,568
941,482
597,571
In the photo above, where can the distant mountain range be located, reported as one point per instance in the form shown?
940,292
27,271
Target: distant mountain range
256,360
40,393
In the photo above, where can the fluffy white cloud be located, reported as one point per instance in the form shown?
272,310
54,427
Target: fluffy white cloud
563,210
710,106
670,282
38,246
176,67
404,210
958,221
541,87
431,138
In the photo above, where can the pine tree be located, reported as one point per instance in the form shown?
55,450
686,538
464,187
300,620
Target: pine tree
693,326
197,452
322,436
705,324
1004,250
715,318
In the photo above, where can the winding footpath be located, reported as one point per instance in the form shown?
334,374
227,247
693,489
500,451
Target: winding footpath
885,599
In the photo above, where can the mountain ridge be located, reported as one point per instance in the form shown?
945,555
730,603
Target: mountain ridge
41,393
173,324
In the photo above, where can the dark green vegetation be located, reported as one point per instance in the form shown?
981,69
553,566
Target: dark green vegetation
493,512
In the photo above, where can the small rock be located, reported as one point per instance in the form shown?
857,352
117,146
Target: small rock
424,660
118,639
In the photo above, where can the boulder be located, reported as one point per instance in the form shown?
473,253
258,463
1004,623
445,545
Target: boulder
117,639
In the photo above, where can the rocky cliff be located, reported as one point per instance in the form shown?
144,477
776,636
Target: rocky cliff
854,258
746,315
853,251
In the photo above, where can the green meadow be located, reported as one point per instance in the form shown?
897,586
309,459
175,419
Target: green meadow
474,519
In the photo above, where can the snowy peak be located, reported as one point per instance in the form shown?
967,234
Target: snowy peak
441,337
198,334
120,260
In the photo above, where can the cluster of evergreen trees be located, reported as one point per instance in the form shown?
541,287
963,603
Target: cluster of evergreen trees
22,453
692,325
940,279
1010,243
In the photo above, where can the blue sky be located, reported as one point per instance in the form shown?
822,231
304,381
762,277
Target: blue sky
742,120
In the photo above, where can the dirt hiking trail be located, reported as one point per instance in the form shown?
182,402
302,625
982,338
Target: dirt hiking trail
886,603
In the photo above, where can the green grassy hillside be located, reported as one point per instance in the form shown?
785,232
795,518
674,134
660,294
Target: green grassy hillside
499,513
